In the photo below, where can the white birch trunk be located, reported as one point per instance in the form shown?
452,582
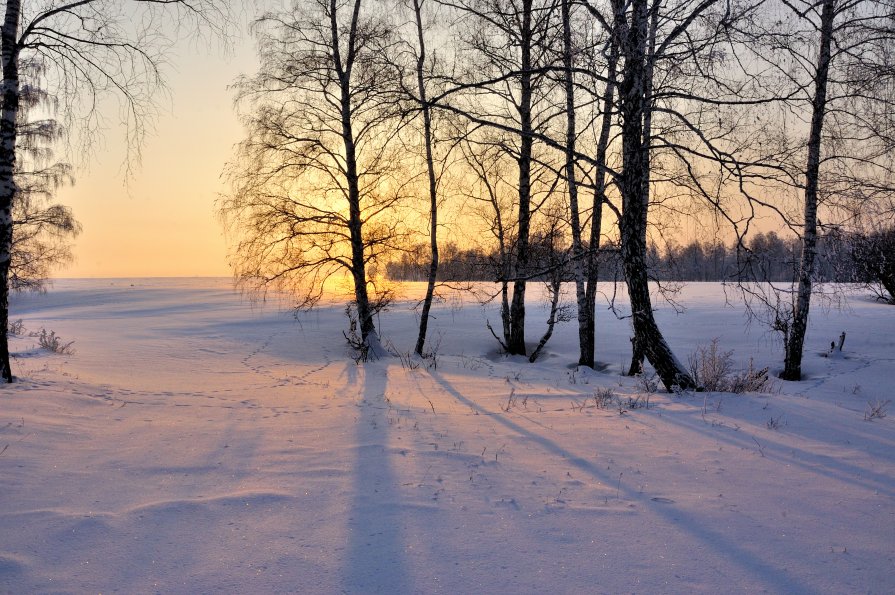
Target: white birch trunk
8,116
795,339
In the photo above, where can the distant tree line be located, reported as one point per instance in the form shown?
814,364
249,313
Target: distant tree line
763,257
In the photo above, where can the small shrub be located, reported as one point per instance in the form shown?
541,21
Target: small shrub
876,410
629,403
431,356
51,342
750,381
408,362
511,401
775,423
603,397
470,363
710,367
648,383
16,328
712,370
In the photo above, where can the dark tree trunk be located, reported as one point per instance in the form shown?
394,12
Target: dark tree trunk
430,170
637,357
634,103
795,340
10,109
888,283
585,320
516,343
588,347
555,287
355,219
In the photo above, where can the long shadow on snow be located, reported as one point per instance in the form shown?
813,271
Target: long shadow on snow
375,561
830,467
679,519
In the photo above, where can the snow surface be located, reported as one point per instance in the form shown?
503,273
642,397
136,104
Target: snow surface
197,443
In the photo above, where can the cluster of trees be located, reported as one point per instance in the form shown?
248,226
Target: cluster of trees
549,125
873,255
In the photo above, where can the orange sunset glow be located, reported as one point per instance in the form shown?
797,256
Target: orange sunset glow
161,221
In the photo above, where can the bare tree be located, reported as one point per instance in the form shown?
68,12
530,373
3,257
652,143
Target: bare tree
87,48
597,62
833,61
580,268
493,189
317,178
551,255
431,177
511,46
635,28
852,63
795,334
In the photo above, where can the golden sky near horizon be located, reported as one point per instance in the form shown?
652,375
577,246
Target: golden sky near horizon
162,222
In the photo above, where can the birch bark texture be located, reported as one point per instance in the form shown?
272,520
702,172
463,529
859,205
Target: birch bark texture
8,117
795,339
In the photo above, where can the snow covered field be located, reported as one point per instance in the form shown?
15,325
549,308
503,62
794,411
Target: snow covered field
194,443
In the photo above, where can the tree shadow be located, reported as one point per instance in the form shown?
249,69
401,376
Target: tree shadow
678,519
375,552
835,469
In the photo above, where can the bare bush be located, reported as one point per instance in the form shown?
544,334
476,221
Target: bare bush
876,410
775,423
603,397
16,328
50,341
750,380
511,401
408,362
631,402
712,369
648,383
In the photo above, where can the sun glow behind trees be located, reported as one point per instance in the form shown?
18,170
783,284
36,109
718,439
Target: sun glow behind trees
706,131
175,186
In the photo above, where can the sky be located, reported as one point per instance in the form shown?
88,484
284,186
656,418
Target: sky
161,221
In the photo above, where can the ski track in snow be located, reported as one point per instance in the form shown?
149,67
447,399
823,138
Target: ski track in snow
195,444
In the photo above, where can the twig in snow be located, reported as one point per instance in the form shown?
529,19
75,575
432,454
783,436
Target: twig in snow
760,449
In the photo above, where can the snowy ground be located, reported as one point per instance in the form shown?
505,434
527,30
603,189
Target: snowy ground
194,443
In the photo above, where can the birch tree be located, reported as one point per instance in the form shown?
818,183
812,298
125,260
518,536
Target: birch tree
851,71
835,58
431,177
511,45
318,177
635,30
666,76
599,65
88,49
